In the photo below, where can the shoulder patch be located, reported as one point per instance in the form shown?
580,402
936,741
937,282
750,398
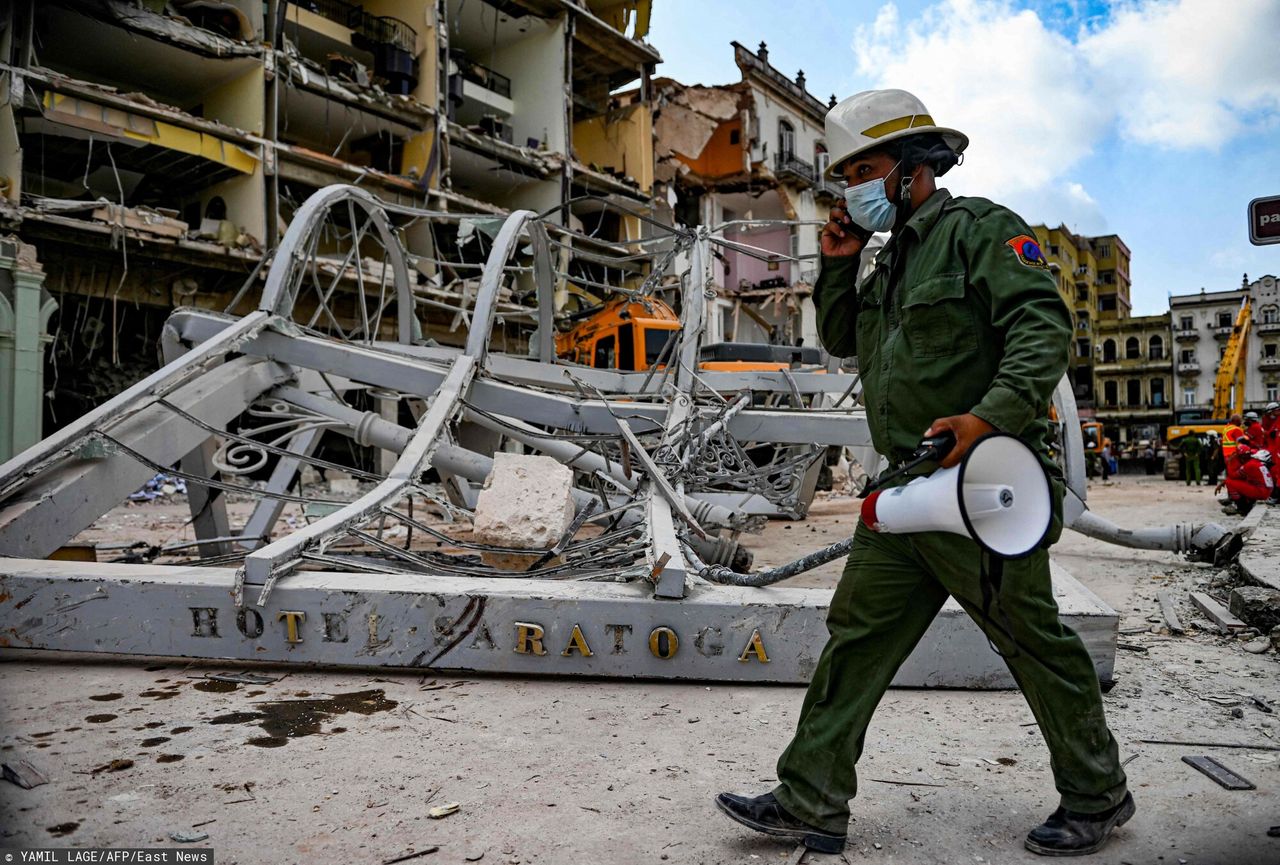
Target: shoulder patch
1028,251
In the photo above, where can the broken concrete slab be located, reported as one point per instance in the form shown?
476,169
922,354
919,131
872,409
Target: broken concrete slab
1260,558
527,503
1256,606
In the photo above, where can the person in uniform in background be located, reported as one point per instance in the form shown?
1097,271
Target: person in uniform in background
1149,457
1190,446
1248,479
959,328
1106,460
1212,457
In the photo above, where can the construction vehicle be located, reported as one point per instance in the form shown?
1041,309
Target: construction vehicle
1228,392
631,335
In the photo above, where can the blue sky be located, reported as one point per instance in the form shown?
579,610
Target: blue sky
1157,120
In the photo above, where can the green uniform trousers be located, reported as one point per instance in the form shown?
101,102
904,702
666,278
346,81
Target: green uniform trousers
1192,468
892,588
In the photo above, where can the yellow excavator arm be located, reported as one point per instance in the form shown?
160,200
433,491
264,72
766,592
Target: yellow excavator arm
1228,387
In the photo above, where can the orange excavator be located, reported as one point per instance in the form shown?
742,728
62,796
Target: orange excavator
633,335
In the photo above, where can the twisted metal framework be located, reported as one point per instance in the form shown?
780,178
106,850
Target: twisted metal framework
242,406
670,464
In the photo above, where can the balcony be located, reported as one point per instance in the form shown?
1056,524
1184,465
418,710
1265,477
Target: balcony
480,96
1189,368
480,75
1267,327
788,167
392,42
1191,335
822,186
1222,332
1269,363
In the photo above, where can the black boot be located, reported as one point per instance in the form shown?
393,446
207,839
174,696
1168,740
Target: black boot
1067,833
765,814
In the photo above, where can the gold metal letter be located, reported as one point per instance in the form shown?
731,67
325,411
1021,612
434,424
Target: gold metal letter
755,646
655,643
529,638
579,642
292,619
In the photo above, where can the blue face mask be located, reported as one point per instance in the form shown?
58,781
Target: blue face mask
869,206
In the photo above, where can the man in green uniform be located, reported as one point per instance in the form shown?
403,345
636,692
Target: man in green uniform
958,327
1190,449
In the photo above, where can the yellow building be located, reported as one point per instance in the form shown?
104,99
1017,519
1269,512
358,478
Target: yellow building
1134,377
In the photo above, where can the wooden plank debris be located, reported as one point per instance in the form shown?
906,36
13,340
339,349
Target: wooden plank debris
1217,613
1169,612
1220,773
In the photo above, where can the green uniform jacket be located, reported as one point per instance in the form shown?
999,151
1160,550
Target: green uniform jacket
959,315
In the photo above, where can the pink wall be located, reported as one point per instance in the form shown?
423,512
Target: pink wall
753,269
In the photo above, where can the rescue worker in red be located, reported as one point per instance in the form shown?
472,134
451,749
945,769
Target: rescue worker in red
1253,429
1248,477
1271,426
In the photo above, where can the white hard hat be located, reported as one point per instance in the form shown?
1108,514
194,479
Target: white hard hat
873,118
1262,455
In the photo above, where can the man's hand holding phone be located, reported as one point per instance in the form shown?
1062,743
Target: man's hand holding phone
840,237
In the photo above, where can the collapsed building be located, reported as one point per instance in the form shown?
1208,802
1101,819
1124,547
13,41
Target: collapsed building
150,151
750,157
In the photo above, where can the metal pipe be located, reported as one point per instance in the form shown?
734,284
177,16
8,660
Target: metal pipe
1186,538
727,577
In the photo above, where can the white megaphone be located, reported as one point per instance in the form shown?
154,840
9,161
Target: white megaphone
998,495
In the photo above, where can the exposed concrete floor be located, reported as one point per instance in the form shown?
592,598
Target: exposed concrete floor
561,771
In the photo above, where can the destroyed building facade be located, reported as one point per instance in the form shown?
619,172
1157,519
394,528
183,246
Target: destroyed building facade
742,156
151,151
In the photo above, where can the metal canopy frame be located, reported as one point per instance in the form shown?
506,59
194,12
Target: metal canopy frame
339,323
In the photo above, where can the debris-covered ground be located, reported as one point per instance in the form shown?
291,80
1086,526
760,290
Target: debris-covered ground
298,766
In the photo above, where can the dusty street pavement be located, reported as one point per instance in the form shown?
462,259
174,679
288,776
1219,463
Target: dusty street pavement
561,771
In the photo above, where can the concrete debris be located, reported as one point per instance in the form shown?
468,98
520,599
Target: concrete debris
188,837
341,483
527,503
170,29
22,773
443,810
683,130
1260,646
1257,607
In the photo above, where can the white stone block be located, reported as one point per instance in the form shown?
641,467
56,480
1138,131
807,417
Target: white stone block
526,503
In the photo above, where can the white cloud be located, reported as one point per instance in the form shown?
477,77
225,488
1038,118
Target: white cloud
1190,73
1168,73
